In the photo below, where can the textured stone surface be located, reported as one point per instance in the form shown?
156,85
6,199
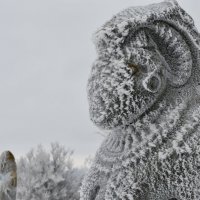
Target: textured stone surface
8,176
144,90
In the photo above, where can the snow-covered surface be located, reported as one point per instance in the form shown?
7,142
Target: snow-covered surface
8,177
4,182
143,89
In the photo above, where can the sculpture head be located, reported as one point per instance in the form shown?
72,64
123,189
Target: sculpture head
142,54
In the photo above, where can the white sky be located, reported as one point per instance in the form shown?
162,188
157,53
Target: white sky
46,54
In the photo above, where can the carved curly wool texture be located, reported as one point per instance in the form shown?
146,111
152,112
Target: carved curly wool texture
143,88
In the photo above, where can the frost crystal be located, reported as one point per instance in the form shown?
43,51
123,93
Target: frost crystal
143,89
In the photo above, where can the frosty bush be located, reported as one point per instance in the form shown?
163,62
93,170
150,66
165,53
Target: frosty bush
48,175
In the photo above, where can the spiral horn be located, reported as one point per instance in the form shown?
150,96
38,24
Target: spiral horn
170,28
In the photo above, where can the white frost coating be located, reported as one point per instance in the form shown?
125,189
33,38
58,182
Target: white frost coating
8,176
4,182
143,90
148,78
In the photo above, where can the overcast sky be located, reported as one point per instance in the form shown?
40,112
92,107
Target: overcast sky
46,54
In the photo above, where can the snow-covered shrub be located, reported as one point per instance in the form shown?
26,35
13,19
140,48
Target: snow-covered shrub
47,175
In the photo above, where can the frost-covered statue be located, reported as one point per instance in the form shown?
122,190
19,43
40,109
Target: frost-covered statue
8,176
144,90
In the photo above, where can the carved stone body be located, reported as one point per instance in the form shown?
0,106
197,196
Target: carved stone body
144,89
8,176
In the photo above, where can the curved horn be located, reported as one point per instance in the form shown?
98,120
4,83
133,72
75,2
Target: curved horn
175,51
169,27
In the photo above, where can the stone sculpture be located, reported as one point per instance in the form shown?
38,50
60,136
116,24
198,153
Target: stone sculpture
8,176
144,90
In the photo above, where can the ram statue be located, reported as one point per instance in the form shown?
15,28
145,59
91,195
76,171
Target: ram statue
144,92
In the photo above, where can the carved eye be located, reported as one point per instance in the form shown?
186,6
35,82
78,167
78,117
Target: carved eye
152,84
134,68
